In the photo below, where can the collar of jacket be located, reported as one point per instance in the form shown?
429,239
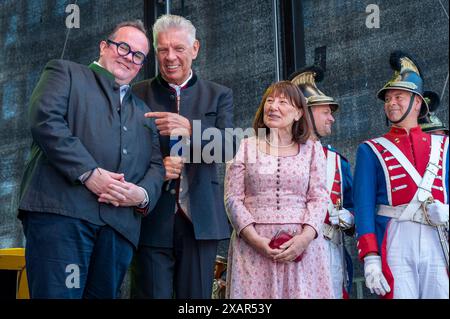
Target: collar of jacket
100,70
400,131
164,83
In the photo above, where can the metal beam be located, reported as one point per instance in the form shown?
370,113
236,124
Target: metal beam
150,68
292,37
275,17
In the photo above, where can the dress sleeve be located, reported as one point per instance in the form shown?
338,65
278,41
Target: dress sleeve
317,195
234,189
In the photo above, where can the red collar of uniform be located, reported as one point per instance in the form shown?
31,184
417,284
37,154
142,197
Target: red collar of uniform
400,131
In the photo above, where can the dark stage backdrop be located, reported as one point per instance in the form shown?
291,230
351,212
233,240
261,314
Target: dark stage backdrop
237,50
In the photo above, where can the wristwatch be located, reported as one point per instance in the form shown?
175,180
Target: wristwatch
145,202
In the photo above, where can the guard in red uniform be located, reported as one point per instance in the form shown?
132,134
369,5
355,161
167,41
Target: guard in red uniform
401,196
431,123
339,219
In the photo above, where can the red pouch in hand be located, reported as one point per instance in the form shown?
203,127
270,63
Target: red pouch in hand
280,238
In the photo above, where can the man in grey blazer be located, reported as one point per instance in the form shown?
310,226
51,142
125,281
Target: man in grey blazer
179,237
95,168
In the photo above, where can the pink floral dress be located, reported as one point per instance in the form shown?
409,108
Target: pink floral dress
277,193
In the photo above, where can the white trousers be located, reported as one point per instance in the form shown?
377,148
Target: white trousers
416,260
336,268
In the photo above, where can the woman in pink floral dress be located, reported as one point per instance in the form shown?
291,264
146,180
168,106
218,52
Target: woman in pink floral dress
277,182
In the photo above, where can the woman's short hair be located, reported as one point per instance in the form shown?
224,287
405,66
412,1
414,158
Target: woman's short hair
301,129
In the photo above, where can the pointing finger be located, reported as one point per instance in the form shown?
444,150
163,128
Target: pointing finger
156,114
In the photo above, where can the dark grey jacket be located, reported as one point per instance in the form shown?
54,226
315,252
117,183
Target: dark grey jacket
76,127
213,105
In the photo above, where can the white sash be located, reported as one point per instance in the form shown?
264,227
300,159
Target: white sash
331,169
331,173
424,183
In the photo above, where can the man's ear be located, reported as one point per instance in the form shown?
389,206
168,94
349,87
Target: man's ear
102,46
195,49
417,103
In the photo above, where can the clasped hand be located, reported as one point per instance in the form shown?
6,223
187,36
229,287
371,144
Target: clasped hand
296,246
287,252
111,188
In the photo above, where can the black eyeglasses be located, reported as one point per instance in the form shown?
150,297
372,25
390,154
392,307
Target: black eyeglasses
123,49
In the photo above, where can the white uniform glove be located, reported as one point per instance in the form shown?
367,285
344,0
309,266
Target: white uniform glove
342,218
375,279
438,213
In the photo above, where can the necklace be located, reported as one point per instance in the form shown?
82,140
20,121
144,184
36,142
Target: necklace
279,146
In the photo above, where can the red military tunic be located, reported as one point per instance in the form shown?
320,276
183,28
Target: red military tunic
381,180
339,183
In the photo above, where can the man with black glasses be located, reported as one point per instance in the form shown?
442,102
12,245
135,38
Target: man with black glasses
94,169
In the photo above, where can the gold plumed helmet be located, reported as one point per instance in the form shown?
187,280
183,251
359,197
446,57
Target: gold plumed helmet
306,80
407,77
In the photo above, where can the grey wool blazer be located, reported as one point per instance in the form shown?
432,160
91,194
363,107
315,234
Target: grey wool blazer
76,126
212,104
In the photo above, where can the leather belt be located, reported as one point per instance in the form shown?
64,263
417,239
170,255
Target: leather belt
397,211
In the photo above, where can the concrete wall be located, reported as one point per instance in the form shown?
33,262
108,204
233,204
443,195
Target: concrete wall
237,50
358,57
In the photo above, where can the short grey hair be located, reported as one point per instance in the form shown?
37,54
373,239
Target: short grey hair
170,21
